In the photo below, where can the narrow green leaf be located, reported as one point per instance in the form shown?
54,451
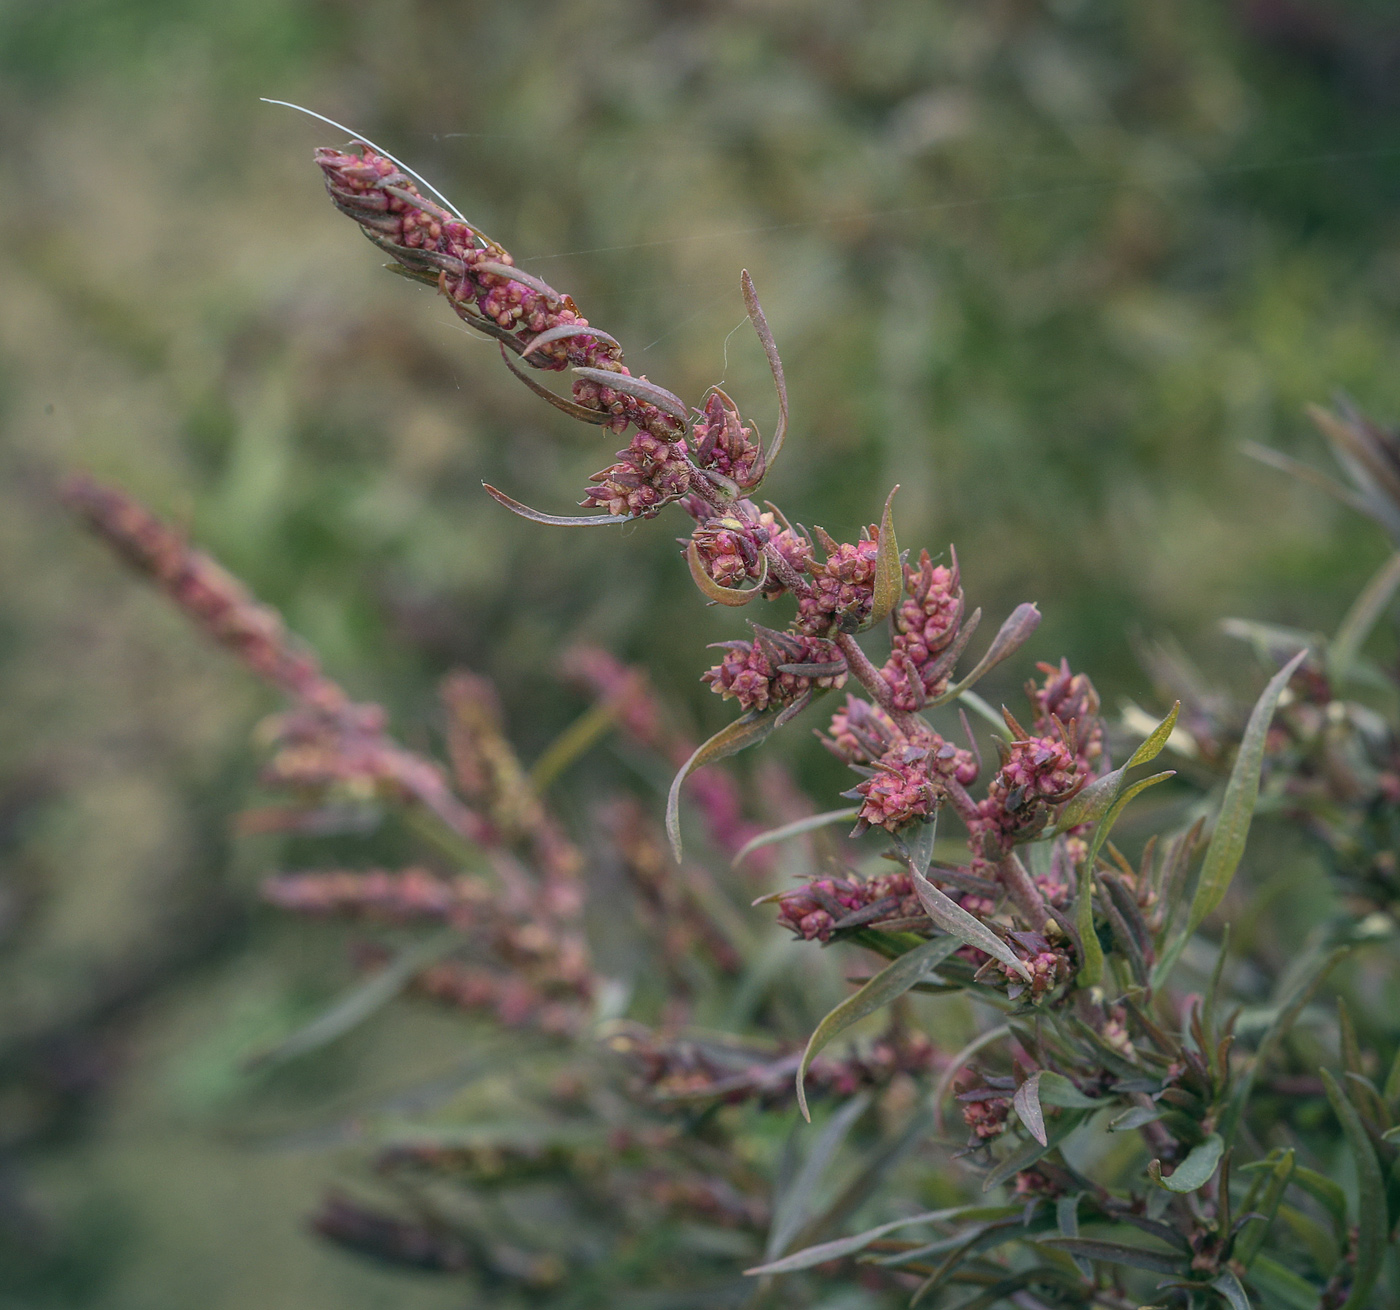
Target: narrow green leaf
1229,1287
1156,743
1237,809
747,731
953,919
1283,1285
1091,963
1056,1089
889,570
358,1003
1032,1151
1013,634
1328,1194
1118,1253
1091,804
843,1246
1128,795
1371,1214
1137,1117
717,592
791,1208
891,982
1366,609
1251,1239
1391,1090
796,829
1199,1166
1026,1103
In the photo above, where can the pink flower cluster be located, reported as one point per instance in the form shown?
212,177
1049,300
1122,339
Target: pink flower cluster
1037,772
922,652
814,910
649,473
479,280
1069,699
775,669
842,585
724,444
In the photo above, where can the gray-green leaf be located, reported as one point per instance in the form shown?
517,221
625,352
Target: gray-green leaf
1237,809
891,982
1196,1170
747,731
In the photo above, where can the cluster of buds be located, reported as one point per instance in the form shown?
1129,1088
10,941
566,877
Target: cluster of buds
776,669
924,647
1036,773
826,905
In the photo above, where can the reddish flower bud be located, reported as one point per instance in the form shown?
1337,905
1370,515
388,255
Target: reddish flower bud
752,672
648,474
723,444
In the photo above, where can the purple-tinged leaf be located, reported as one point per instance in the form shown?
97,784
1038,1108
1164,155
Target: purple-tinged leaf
889,570
535,516
1026,1103
744,732
563,332
517,275
572,408
721,595
640,388
770,348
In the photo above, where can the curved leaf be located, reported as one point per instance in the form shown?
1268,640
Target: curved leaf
1371,1221
1197,1169
535,516
1056,1089
358,1003
1014,633
1026,1103
1117,1253
562,333
1156,743
721,595
891,982
843,1246
514,274
1229,1287
889,570
770,349
744,732
793,1205
1033,1151
639,388
1365,610
1092,803
953,919
570,407
1289,1290
1237,809
796,829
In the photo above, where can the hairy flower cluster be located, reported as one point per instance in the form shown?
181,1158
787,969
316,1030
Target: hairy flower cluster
480,282
776,669
723,444
649,473
1070,699
926,623
814,910
842,586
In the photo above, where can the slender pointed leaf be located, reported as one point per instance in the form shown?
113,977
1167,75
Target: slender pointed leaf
1283,1285
1118,1253
1371,1220
1156,743
744,732
843,1246
1366,609
775,363
639,388
1014,633
1251,1239
889,569
358,1003
570,407
796,828
1237,809
564,331
953,919
792,1207
555,520
1033,1151
891,982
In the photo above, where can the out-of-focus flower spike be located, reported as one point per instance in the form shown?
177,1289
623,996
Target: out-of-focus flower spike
569,407
639,389
721,595
561,521
775,363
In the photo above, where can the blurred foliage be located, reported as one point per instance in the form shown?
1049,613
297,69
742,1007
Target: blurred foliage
1045,265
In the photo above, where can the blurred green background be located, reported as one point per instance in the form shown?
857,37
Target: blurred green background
1047,265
